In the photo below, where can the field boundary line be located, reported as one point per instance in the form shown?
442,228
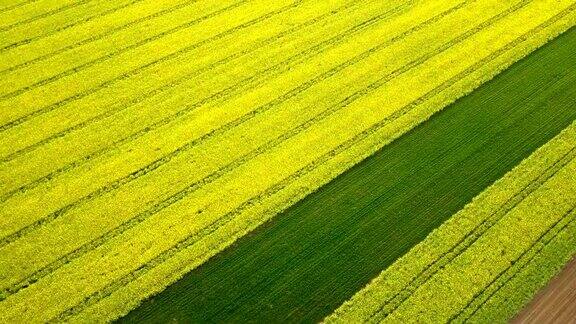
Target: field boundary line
476,233
63,28
44,15
104,58
511,271
105,34
168,86
188,241
218,173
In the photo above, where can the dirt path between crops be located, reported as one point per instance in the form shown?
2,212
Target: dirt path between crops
556,303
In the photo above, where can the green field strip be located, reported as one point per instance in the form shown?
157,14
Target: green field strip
237,121
22,16
143,53
28,34
70,39
262,246
327,155
525,283
462,230
251,132
182,85
512,242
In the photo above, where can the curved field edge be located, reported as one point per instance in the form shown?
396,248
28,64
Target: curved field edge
177,296
130,296
284,200
376,301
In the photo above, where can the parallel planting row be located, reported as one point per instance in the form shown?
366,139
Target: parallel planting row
196,122
486,262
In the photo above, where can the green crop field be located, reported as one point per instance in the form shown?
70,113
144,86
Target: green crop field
288,160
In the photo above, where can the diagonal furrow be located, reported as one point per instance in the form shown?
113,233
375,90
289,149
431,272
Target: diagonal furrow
100,36
107,57
243,85
17,5
44,15
524,260
68,26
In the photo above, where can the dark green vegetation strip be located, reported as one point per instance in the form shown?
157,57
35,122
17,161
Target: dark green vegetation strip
311,258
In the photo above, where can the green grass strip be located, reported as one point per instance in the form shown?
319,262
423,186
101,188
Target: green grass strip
311,258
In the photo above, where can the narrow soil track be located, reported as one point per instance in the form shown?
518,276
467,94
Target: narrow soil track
556,303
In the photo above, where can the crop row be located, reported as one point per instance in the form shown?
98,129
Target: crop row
521,284
88,68
36,12
26,49
461,266
28,33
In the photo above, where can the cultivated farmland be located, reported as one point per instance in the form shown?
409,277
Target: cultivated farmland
336,239
139,139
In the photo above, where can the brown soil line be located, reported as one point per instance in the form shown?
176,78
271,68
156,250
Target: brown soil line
556,303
